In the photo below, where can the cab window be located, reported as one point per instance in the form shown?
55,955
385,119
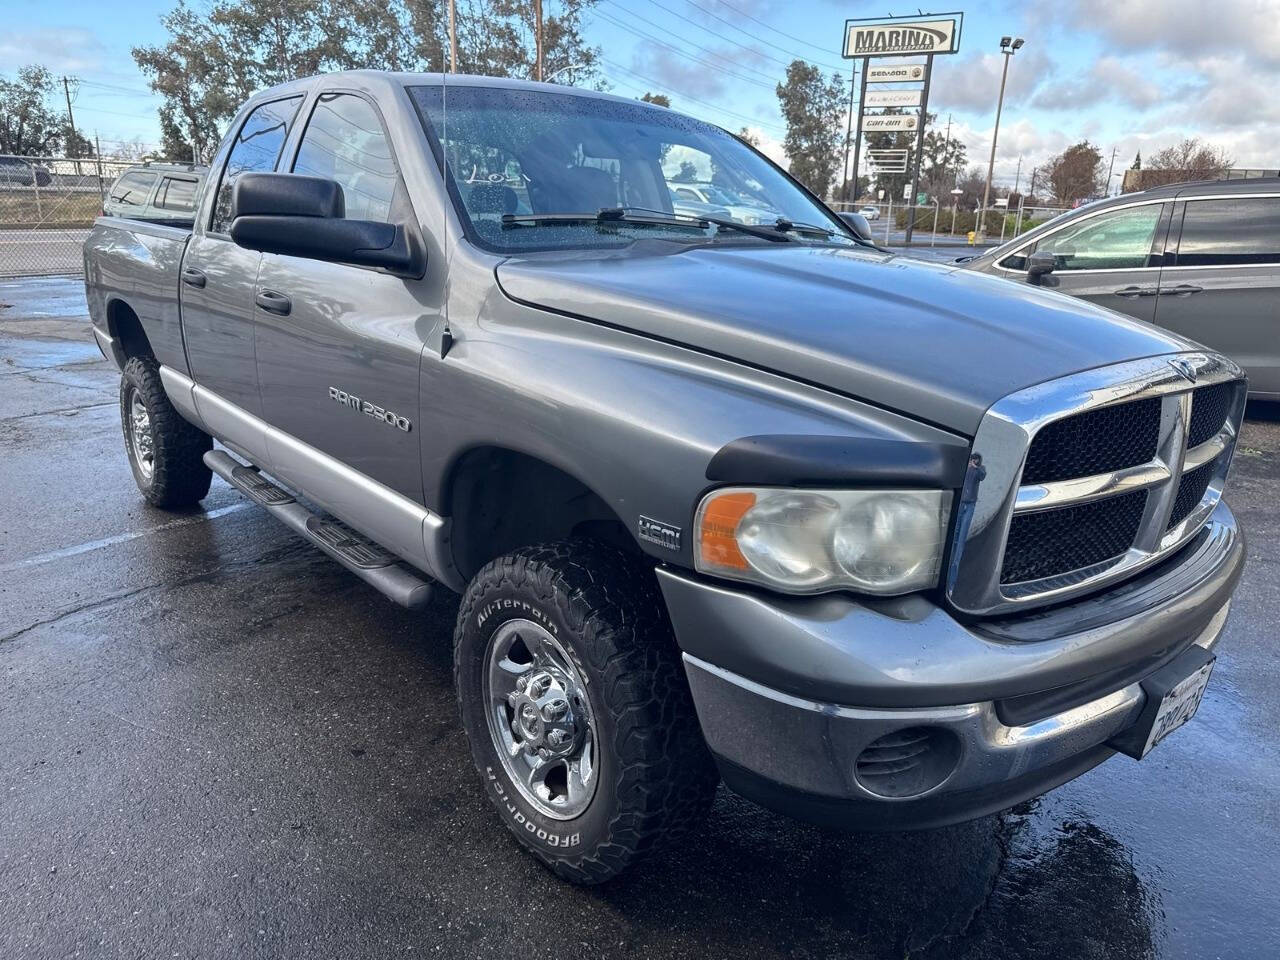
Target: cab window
1118,240
132,189
177,195
345,141
1230,232
256,150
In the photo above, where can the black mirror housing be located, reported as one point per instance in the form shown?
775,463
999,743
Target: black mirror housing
1040,265
362,243
286,195
858,224
298,216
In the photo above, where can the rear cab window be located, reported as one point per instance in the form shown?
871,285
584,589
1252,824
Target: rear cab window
132,189
256,150
177,195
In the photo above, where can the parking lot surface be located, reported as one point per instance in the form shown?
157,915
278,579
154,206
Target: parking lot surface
217,743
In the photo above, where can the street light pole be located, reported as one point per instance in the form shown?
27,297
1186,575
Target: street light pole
848,135
1007,46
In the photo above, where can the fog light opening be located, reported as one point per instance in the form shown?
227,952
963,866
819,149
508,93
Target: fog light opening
907,763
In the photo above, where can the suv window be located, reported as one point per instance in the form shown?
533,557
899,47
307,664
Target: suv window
345,141
256,150
132,189
175,194
1225,232
1118,240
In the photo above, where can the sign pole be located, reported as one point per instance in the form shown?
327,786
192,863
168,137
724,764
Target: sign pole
848,134
915,173
857,140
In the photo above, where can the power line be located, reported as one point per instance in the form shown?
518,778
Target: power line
728,23
688,56
707,50
755,121
783,33
686,21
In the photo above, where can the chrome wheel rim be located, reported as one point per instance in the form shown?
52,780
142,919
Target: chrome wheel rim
141,438
540,719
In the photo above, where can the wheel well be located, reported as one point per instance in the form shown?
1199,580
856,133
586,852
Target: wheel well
123,324
501,500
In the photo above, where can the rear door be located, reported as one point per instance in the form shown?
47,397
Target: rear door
1222,284
218,277
339,347
1112,257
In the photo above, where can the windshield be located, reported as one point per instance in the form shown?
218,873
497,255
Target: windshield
521,152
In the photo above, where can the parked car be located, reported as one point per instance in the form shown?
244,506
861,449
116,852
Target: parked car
22,172
713,196
1200,259
870,211
156,192
712,509
695,208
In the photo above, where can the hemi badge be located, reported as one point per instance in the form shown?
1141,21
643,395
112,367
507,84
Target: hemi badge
663,534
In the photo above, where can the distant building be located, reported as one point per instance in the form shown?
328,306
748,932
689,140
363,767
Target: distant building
1135,180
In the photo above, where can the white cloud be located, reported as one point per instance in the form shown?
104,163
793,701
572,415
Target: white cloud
61,49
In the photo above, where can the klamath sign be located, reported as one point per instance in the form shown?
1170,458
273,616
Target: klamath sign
900,38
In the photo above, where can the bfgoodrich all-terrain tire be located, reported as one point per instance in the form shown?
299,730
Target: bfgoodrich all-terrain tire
165,452
576,706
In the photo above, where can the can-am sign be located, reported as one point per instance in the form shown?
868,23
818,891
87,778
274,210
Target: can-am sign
899,38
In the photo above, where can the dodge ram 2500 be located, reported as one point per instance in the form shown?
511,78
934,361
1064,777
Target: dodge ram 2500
876,542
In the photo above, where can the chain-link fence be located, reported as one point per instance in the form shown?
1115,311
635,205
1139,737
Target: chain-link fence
940,224
47,205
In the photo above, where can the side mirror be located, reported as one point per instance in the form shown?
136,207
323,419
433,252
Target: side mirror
858,224
1039,266
300,216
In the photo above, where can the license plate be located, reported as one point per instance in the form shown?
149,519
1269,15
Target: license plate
1179,705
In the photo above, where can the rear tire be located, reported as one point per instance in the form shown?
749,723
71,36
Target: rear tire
166,453
619,722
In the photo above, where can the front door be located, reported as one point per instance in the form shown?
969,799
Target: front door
218,277
339,347
1110,258
1222,287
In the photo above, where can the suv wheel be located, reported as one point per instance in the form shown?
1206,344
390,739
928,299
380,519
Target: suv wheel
165,452
575,703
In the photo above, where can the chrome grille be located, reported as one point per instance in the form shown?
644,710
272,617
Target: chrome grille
1080,482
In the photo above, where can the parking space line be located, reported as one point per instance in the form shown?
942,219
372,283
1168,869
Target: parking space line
91,545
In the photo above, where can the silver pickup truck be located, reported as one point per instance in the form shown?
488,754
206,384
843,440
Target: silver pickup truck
878,543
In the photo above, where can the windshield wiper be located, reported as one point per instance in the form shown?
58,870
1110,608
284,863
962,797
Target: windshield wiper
647,216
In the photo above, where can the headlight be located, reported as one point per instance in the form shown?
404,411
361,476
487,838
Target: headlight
882,542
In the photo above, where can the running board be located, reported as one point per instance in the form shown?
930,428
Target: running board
366,559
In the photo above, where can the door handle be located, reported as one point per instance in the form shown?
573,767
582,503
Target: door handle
193,278
1132,293
274,302
1184,290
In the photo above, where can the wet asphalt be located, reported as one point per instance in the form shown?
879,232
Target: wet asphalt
214,742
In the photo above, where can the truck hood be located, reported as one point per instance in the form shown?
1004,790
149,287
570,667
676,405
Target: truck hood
929,340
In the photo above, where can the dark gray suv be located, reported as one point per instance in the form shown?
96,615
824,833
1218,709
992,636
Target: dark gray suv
1202,259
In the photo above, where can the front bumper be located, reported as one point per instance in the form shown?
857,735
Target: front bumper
790,693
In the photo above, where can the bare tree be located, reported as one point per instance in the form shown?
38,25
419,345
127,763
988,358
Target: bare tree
1192,159
1077,173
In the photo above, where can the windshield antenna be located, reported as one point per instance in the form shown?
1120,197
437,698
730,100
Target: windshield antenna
446,334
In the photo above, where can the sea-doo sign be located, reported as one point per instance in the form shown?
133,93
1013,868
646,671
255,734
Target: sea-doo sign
900,37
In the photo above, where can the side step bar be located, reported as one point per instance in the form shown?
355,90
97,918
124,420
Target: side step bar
368,561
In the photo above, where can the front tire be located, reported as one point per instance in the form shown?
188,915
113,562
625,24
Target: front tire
166,453
575,703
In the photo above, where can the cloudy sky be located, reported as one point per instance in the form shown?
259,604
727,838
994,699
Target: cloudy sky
1127,74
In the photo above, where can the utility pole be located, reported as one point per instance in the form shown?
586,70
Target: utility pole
71,120
1110,172
453,36
1008,45
537,35
848,134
